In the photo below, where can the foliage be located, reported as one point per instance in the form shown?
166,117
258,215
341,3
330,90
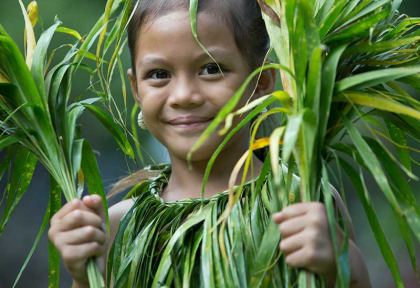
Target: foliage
349,104
38,119
344,102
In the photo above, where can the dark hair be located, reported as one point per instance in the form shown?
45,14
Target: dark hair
242,16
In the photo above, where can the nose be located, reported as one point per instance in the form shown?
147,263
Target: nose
185,93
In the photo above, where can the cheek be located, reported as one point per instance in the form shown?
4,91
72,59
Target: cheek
148,100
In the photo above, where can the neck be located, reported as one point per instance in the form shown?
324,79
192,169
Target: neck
185,183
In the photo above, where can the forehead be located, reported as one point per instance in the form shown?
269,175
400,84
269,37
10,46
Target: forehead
205,19
172,32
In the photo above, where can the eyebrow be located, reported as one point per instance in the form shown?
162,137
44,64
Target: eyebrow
154,60
216,53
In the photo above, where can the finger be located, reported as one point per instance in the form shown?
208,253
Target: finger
292,226
75,204
94,202
291,211
298,259
73,254
292,244
79,218
83,235
69,206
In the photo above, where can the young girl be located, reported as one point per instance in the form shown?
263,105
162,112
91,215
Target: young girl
180,90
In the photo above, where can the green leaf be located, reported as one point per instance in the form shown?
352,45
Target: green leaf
166,261
229,106
39,60
246,120
41,231
6,163
291,135
357,30
398,136
265,255
403,193
372,164
93,177
380,47
53,253
313,85
341,257
7,141
94,183
23,169
113,128
69,31
14,66
328,18
371,8
378,102
362,193
329,71
373,78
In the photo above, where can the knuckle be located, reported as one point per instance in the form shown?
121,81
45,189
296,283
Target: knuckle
67,254
281,228
51,234
77,214
95,247
103,237
97,220
90,231
317,221
75,203
282,246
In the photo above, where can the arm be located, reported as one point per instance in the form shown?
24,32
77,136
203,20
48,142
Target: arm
306,243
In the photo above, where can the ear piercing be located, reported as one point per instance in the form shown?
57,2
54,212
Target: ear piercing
140,121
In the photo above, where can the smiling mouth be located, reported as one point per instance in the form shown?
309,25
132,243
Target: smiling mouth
190,123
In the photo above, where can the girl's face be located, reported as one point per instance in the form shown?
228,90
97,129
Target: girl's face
179,87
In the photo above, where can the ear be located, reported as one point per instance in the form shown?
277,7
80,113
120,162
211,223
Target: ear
266,83
133,83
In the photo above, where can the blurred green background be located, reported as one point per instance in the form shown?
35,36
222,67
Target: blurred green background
17,238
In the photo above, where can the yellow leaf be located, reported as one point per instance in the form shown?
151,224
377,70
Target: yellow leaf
4,78
263,142
33,12
30,43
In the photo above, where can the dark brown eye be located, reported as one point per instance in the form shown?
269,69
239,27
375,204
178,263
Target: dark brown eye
210,69
158,74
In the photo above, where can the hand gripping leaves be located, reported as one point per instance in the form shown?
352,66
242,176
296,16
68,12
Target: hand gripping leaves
347,66
38,121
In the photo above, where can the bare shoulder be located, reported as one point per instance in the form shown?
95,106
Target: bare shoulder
116,212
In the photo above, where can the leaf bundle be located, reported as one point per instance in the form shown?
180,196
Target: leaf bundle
38,121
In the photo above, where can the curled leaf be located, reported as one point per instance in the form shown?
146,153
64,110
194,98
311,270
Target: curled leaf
30,41
33,12
71,32
269,12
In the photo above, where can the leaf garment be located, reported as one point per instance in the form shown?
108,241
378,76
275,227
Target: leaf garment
187,244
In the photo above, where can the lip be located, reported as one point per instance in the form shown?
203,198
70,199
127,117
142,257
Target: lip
190,122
